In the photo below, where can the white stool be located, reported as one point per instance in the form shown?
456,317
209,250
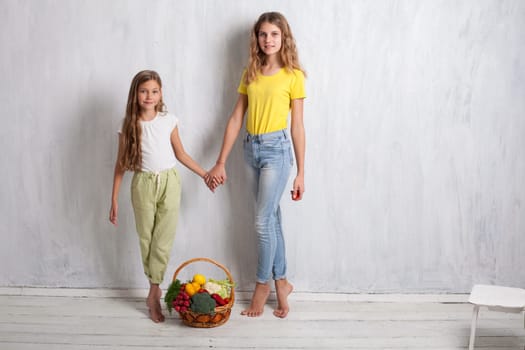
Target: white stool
496,298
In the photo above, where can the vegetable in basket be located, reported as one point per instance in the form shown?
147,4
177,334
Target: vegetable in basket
212,287
219,300
171,294
221,287
202,303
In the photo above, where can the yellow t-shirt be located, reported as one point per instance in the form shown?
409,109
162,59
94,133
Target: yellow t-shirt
269,99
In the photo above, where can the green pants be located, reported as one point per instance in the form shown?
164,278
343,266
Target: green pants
156,199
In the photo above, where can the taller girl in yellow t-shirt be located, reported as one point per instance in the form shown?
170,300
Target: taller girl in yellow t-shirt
271,86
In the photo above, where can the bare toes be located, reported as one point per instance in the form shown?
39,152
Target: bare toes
159,312
154,315
281,313
155,309
251,313
283,290
260,295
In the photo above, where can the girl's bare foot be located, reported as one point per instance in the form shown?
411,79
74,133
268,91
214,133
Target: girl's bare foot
283,288
159,307
153,303
260,295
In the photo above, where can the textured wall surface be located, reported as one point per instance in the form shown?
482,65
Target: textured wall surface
415,123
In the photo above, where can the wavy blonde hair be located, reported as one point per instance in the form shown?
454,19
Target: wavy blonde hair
288,52
131,157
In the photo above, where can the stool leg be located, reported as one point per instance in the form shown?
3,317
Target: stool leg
473,325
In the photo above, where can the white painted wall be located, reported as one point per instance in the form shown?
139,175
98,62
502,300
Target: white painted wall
415,122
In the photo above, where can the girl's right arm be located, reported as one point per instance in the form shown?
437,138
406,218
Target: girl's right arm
217,175
117,180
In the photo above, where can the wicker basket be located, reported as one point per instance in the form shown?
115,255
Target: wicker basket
222,313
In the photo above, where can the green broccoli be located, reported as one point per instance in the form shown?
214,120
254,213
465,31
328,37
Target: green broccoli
202,303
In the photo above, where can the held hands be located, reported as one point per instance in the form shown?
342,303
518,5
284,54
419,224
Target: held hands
215,177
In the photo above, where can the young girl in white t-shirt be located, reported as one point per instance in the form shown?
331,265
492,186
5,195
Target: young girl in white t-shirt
149,145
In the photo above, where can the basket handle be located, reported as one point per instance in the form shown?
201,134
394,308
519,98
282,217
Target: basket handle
211,261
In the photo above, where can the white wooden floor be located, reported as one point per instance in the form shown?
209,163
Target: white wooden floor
100,319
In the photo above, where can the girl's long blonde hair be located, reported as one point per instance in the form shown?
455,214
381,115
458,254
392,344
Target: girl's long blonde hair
131,157
288,52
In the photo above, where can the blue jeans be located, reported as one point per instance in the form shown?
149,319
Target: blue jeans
269,156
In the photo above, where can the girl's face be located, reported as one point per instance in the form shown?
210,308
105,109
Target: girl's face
269,38
149,94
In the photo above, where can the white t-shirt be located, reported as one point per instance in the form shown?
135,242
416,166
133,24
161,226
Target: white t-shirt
157,151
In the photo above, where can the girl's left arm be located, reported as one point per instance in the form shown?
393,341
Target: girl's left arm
299,144
183,157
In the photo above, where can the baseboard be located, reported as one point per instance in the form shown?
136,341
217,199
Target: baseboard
240,295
